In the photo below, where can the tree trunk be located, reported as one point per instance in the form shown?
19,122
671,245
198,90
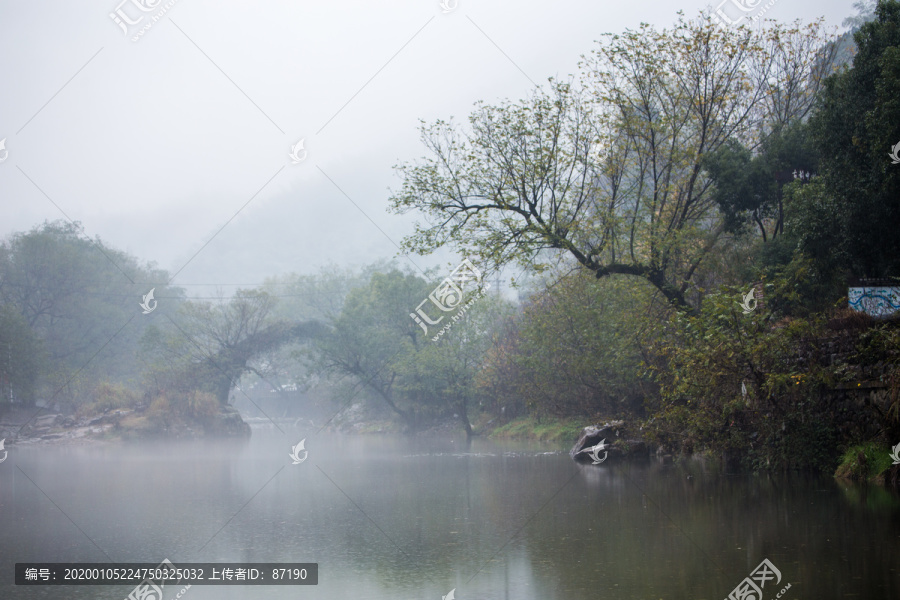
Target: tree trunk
462,407
223,389
408,416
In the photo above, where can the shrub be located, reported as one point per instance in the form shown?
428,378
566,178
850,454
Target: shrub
109,396
745,386
201,406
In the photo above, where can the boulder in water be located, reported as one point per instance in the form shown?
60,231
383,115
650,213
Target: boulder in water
617,444
591,436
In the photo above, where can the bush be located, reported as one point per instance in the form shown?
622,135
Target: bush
572,351
184,406
201,406
159,413
864,461
745,385
106,397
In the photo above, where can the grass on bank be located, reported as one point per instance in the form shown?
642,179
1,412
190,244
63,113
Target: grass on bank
543,430
865,462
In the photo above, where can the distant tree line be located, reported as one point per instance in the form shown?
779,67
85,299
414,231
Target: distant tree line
644,197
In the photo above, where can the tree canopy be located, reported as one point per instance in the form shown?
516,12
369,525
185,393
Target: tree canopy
855,128
609,170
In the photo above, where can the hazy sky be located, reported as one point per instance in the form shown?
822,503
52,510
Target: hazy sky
155,145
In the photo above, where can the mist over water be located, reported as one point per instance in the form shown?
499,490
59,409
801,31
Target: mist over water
486,218
400,517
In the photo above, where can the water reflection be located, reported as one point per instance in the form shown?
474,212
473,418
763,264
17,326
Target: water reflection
394,517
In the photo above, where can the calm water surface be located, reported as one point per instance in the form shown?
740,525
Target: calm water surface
397,518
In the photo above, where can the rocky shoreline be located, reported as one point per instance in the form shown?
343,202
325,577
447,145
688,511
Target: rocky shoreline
23,428
30,427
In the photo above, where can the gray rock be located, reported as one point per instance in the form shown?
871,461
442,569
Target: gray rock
47,420
228,423
591,436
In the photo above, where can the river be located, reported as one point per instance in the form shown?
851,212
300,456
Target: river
391,517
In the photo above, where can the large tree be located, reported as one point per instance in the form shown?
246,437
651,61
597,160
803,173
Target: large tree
420,375
81,298
855,128
574,349
21,358
373,335
210,346
443,374
610,171
749,187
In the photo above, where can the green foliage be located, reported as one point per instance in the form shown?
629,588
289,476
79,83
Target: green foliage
109,396
749,187
574,349
21,358
375,341
443,374
371,335
76,295
209,347
877,358
545,430
701,363
803,286
608,172
863,462
317,296
855,127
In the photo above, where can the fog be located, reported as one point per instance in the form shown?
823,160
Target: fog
180,141
216,347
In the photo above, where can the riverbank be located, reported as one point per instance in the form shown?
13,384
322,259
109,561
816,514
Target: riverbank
27,426
23,427
539,430
871,463
866,464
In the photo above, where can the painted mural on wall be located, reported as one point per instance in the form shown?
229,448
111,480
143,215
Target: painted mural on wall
878,301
